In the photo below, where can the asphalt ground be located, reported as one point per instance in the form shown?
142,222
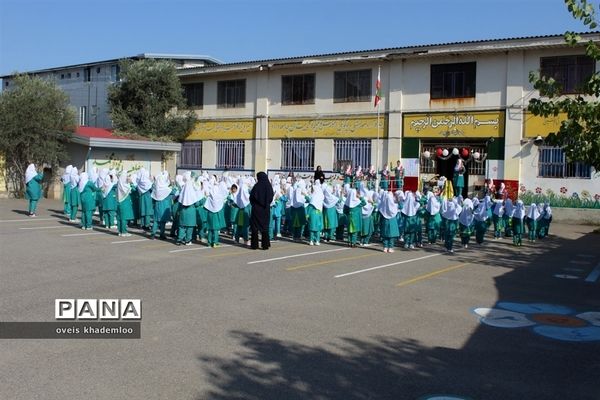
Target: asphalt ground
302,322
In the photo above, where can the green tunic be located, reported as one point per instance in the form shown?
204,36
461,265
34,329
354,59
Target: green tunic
74,197
187,215
367,226
66,193
88,197
330,218
162,209
354,217
315,219
388,228
109,203
125,209
34,188
146,207
215,220
298,215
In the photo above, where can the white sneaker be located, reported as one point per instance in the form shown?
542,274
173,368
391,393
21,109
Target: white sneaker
84,228
126,234
248,243
385,250
466,246
412,247
311,243
317,243
120,234
390,250
279,235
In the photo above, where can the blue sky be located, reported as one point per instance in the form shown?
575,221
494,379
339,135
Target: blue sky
36,34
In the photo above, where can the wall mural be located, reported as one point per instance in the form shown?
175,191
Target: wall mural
112,161
549,320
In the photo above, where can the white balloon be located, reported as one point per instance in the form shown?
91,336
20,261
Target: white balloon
426,154
455,151
445,152
476,155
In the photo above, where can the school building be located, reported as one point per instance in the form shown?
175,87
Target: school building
439,100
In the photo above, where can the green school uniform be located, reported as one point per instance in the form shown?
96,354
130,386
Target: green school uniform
34,192
88,203
124,213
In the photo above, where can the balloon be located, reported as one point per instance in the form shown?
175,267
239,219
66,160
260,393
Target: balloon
464,152
476,155
426,154
445,152
439,151
455,151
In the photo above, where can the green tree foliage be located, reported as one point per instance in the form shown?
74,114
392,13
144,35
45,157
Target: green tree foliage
579,134
36,121
149,101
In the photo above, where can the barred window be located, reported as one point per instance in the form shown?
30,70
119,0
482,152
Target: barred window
298,89
553,164
298,155
429,165
570,72
453,80
356,150
352,86
194,94
191,155
230,154
231,94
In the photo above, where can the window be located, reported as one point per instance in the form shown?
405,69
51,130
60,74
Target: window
82,116
6,83
553,164
115,73
358,152
570,72
98,69
68,75
78,74
429,165
453,80
352,86
191,155
230,154
298,89
231,94
87,74
298,155
194,94
62,76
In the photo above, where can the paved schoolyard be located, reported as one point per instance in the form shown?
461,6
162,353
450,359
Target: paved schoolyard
302,322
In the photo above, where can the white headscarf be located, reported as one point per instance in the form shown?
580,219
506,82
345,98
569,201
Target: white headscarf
480,213
388,208
298,199
509,208
242,197
83,180
519,210
66,177
533,212
161,188
317,197
368,208
498,208
109,183
452,210
433,204
352,199
188,195
144,183
466,215
547,211
330,200
93,174
410,205
99,182
74,178
30,173
123,187
216,198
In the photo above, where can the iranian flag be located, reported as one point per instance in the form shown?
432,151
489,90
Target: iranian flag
378,87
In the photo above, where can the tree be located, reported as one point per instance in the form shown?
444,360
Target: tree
35,124
149,101
579,134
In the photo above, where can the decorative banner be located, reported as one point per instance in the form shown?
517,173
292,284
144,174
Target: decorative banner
539,126
355,127
223,130
454,125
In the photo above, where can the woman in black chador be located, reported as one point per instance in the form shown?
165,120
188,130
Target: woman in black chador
261,197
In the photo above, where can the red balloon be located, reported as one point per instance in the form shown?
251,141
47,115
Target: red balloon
465,152
439,151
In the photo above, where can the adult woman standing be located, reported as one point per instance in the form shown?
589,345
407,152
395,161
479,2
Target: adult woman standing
261,197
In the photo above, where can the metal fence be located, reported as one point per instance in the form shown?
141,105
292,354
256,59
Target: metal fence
191,155
298,155
553,163
357,150
429,166
230,154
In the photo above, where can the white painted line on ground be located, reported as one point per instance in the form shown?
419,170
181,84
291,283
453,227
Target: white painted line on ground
387,265
566,276
198,248
83,234
28,220
573,269
295,255
129,241
594,275
579,262
45,227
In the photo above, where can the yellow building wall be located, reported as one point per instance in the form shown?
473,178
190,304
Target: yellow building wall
541,126
462,124
241,129
360,127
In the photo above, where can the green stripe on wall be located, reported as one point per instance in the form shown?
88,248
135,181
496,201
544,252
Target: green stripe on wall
410,147
496,149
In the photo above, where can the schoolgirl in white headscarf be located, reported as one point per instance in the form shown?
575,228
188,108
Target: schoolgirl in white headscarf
161,194
368,219
410,208
330,214
146,209
480,217
451,211
298,211
74,198
314,213
215,219
187,210
124,205
433,217
497,218
242,202
66,181
517,223
33,185
388,221
353,211
465,222
109,200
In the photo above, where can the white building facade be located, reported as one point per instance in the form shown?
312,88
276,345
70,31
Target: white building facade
290,115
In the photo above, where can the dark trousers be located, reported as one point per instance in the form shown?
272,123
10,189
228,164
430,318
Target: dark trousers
265,242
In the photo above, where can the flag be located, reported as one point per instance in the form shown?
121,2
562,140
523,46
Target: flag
378,88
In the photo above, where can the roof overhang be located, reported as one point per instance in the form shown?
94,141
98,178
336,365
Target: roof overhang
126,144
